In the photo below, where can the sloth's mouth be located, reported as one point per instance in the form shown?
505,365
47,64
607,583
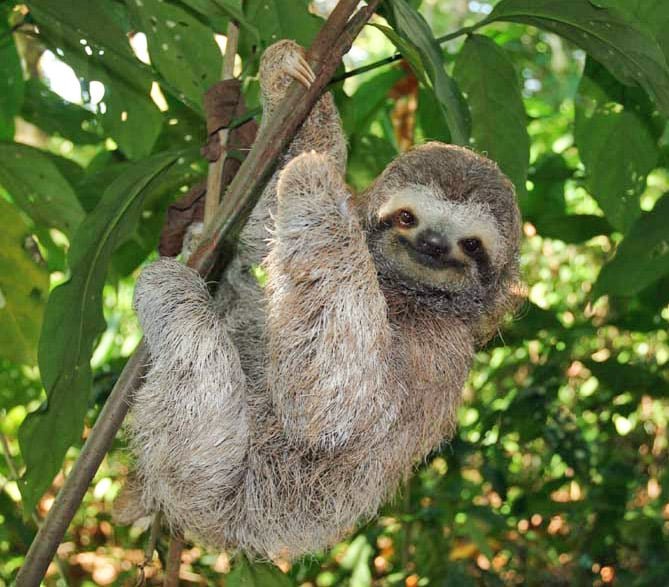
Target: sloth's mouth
438,261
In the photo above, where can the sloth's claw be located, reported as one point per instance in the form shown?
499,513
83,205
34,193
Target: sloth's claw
300,70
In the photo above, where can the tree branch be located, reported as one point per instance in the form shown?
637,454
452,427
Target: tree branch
334,39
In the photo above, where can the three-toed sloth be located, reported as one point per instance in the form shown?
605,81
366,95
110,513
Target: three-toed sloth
273,418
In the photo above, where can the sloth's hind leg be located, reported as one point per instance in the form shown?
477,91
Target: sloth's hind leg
188,428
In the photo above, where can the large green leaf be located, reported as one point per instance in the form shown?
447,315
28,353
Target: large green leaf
413,28
91,40
642,257
651,14
283,19
83,24
546,207
24,287
487,76
181,48
11,79
73,321
219,12
56,116
616,146
614,39
36,184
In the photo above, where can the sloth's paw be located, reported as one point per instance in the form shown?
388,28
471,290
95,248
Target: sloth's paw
282,63
310,178
168,291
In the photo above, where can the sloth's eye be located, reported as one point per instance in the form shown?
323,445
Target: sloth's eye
405,219
470,245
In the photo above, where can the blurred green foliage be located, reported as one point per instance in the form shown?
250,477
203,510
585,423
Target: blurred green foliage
558,474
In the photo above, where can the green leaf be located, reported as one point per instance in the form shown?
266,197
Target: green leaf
370,96
37,185
356,559
73,321
24,287
412,27
430,119
642,257
617,148
283,19
368,156
219,12
56,116
181,48
487,76
245,574
614,39
11,80
94,44
408,51
572,228
546,207
79,24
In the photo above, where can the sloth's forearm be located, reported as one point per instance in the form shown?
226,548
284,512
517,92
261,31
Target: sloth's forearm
329,336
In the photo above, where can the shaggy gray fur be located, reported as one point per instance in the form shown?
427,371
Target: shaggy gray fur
273,420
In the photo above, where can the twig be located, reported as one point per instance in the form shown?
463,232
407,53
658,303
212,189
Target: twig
215,176
468,30
334,39
149,549
173,562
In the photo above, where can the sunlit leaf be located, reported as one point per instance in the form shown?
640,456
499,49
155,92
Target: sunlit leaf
616,41
24,287
181,48
56,116
11,79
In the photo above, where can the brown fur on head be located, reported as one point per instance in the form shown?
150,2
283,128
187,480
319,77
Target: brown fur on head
444,229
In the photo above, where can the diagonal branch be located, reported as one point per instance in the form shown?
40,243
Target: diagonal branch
334,39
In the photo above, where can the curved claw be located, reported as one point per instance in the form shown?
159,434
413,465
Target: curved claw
300,70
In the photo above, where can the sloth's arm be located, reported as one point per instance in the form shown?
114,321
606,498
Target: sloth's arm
188,428
328,332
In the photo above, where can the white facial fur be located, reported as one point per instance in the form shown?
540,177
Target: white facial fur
458,220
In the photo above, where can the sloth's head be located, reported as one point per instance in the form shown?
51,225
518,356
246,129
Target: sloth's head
444,230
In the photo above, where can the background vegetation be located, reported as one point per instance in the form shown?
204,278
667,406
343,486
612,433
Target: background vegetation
558,474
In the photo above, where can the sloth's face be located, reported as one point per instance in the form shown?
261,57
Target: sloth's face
429,241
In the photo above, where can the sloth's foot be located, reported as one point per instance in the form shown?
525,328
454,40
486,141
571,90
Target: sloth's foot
282,63
171,301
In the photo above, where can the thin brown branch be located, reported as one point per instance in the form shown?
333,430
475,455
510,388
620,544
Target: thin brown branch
334,39
173,562
149,548
215,175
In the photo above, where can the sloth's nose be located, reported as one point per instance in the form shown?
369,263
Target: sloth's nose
433,243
